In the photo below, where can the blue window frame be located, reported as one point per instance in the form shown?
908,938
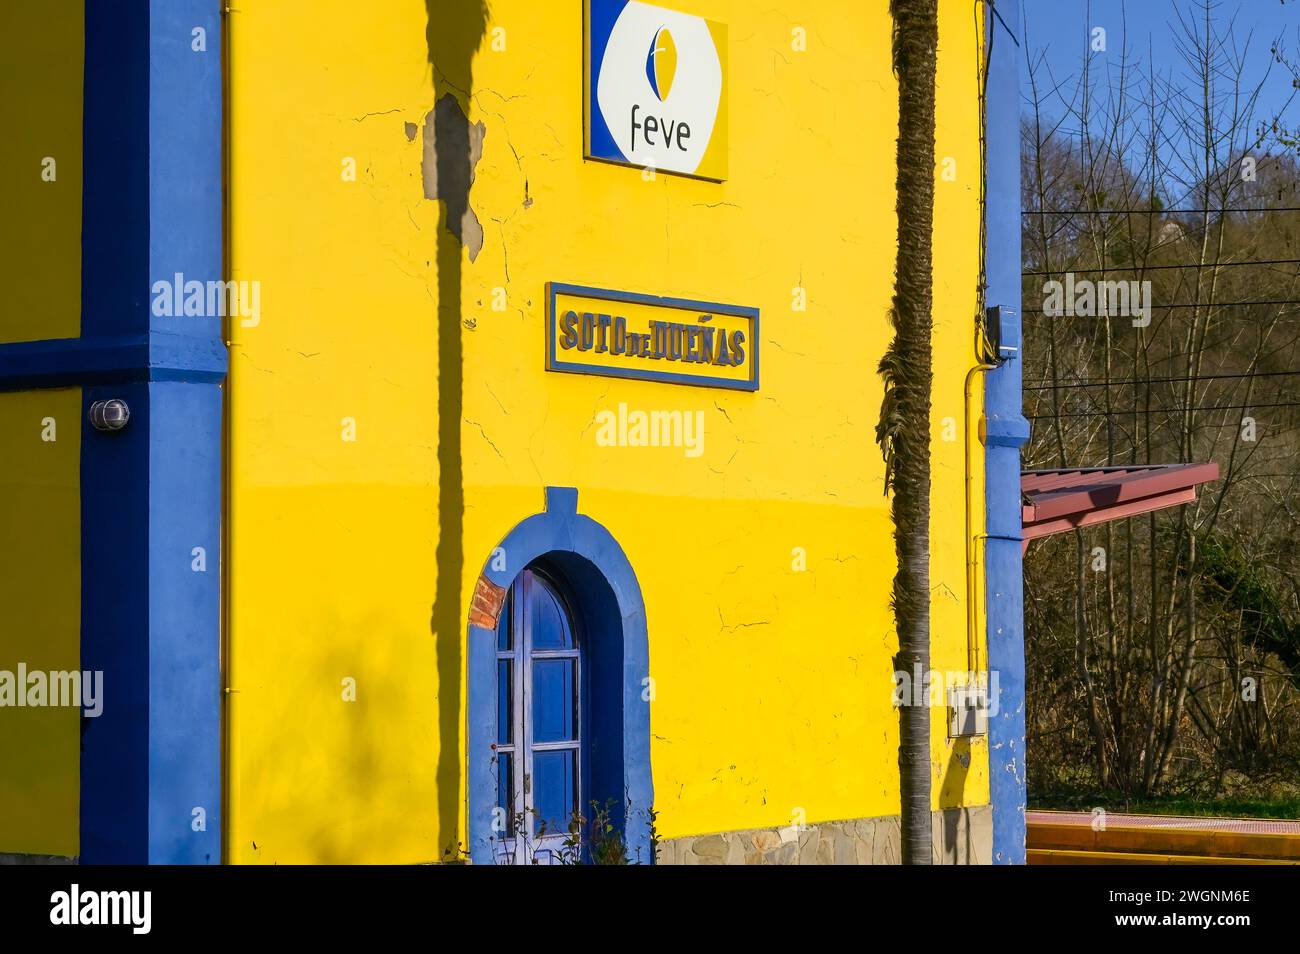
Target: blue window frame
540,722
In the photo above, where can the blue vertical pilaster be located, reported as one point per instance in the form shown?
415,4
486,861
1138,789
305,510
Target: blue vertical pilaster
151,493
1006,432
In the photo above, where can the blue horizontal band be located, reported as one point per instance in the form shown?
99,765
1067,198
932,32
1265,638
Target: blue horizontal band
64,362
1010,430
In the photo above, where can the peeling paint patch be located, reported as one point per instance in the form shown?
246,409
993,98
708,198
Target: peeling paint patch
487,602
452,148
411,129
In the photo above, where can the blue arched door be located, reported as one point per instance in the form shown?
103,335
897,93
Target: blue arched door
539,750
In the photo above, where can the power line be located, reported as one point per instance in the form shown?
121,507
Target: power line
1188,304
1210,347
1153,268
1170,380
1284,208
1164,410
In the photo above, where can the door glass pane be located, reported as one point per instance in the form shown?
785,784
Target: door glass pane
550,625
555,793
505,701
554,700
505,793
503,623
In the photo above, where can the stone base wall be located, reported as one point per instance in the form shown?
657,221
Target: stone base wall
961,836
9,858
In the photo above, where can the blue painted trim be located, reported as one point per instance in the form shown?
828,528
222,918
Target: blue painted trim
114,813
553,363
185,155
1006,27
68,362
1006,431
115,171
600,17
604,579
639,298
150,494
184,622
151,201
1011,431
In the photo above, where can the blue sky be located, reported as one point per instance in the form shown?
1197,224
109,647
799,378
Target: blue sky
1063,28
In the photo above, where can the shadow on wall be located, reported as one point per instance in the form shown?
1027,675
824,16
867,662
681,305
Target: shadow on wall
451,148
952,795
361,817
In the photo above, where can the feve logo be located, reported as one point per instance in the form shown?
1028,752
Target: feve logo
656,88
661,64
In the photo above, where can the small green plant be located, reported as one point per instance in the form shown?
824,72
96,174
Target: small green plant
594,840
603,843
654,836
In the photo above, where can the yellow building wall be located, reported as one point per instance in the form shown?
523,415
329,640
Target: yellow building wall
41,59
773,684
40,624
41,54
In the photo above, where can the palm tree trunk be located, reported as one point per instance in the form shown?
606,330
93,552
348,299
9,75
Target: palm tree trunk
904,429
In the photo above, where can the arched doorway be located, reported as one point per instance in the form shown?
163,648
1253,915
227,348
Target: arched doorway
558,693
541,723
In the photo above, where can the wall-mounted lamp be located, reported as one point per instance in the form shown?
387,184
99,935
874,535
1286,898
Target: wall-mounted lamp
110,415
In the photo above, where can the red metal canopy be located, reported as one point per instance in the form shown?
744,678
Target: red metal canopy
1053,501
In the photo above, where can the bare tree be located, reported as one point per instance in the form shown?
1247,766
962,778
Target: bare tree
1139,633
